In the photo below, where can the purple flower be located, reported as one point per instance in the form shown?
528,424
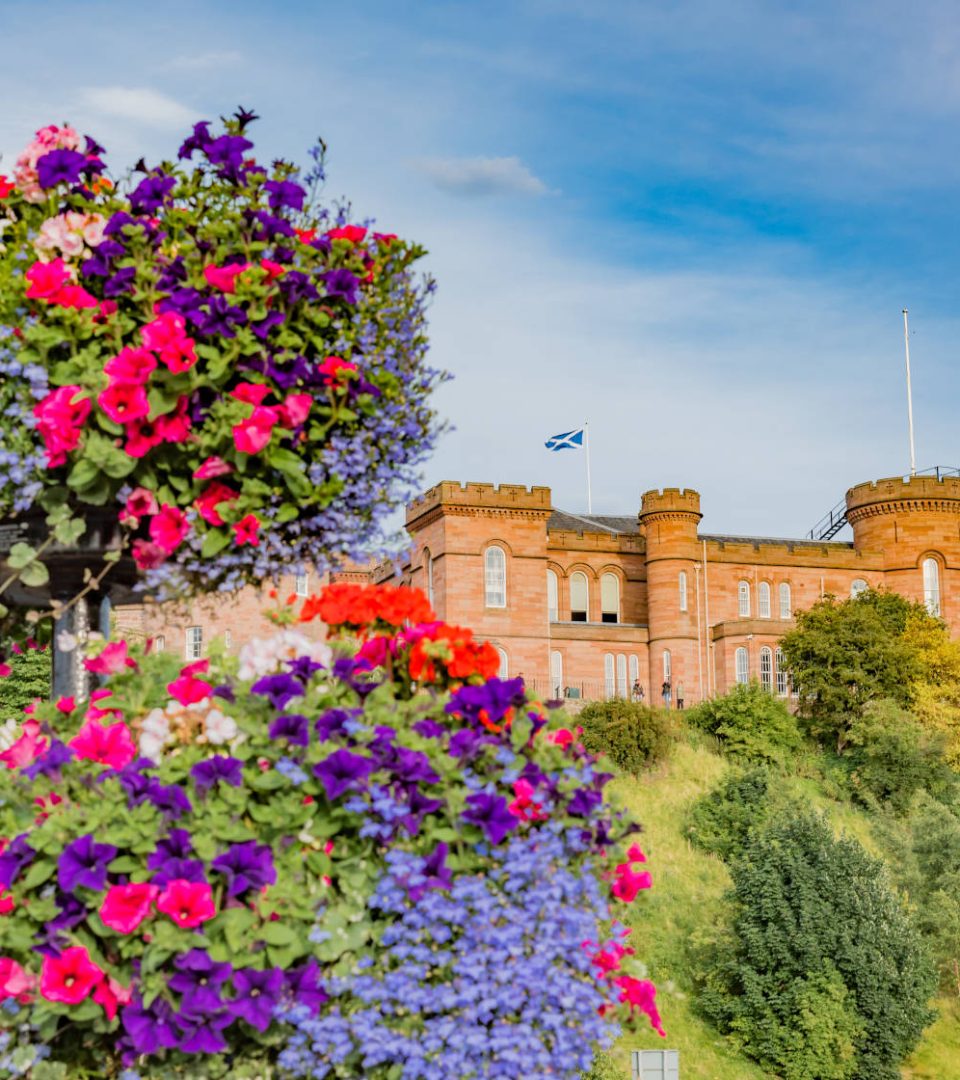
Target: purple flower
304,984
491,814
119,283
84,862
331,723
413,767
494,698
72,911
202,1031
60,167
270,226
186,302
210,772
382,746
435,874
342,770
293,727
584,802
175,845
465,744
257,993
197,979
227,151
151,193
262,327
278,688
183,869
199,140
225,691
295,285
246,866
303,667
169,799
429,729
50,762
419,806
150,1029
284,193
341,284
220,318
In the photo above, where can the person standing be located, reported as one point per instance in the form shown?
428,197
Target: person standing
666,691
637,691
679,695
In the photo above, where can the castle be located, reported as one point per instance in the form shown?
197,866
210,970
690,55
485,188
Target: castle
591,606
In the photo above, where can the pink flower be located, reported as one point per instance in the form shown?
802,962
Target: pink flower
628,884
174,427
188,690
334,368
110,745
111,660
224,278
188,903
165,330
111,994
142,437
14,981
294,410
250,436
5,670
562,737
180,355
69,977
7,902
246,530
524,806
126,906
27,748
640,994
130,366
353,233
635,854
66,705
60,417
124,402
169,528
251,393
273,270
198,667
73,296
46,279
141,502
147,555
213,466
215,495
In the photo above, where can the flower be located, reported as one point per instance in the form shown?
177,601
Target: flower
109,744
14,981
491,814
46,279
334,368
148,555
124,402
353,234
126,906
60,167
256,993
246,866
131,366
202,1031
111,994
246,530
279,689
215,769
188,903
189,690
213,496
112,659
295,409
219,728
250,436
213,466
294,728
640,994
342,770
27,748
84,862
198,978
60,416
224,278
14,857
141,502
150,1029
69,977
169,528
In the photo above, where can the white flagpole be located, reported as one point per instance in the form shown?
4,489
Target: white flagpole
586,447
906,343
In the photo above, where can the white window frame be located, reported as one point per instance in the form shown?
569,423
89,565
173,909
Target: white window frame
193,643
682,585
428,574
301,585
503,672
495,577
931,585
160,643
227,640
622,676
553,596
575,577
667,665
634,671
858,586
781,673
763,599
743,599
606,606
766,668
786,601
742,664
556,672
609,676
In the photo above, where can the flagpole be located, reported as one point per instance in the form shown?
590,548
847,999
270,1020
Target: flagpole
586,447
906,343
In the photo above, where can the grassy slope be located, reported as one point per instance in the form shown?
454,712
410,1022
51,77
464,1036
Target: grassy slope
685,903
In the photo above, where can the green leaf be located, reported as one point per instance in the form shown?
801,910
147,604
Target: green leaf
69,530
82,474
37,875
34,575
20,555
276,933
287,512
214,542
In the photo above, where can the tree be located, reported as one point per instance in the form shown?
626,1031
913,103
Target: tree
29,679
749,723
935,691
817,930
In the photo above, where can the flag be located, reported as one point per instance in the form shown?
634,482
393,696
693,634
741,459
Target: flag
568,440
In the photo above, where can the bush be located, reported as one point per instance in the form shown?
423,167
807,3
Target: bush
806,906
633,736
603,1068
749,723
891,757
723,820
29,679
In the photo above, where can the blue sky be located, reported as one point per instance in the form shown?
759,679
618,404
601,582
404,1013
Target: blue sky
694,224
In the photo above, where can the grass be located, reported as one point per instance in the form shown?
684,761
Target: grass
686,904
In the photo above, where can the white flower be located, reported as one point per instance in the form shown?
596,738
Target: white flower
66,642
219,728
265,655
151,746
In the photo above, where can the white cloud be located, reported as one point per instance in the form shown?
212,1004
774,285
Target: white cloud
482,176
147,107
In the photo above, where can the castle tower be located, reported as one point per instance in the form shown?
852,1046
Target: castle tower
913,523
668,523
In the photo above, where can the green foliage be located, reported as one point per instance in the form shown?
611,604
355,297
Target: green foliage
634,736
844,654
723,820
749,723
604,1068
30,679
891,757
803,901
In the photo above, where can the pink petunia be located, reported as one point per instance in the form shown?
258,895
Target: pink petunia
188,903
295,409
224,278
110,744
14,981
169,528
131,365
73,296
216,494
165,330
111,994
334,368
70,977
46,279
124,402
247,530
250,436
60,417
213,466
112,660
188,690
148,555
141,502
251,393
27,748
126,906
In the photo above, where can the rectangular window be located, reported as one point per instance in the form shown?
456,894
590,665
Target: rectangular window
194,643
781,674
553,603
609,678
683,590
743,665
766,669
763,600
495,577
159,643
785,607
621,676
303,584
743,599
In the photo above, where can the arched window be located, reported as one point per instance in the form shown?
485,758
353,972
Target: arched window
504,671
579,597
495,577
743,665
766,668
609,598
683,590
781,674
428,573
634,671
857,586
931,585
786,607
553,593
763,599
621,676
743,599
667,665
609,678
556,673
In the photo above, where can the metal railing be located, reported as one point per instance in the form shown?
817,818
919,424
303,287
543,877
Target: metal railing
830,524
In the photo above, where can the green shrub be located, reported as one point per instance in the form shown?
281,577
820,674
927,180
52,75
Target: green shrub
603,1068
749,723
806,905
634,736
30,679
722,821
891,757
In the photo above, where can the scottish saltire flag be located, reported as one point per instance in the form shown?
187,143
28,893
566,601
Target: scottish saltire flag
568,440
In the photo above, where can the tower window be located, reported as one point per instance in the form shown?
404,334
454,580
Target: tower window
553,597
931,585
743,599
763,599
495,577
683,590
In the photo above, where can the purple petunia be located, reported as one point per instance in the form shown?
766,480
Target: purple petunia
246,866
419,806
221,317
151,193
491,814
84,862
342,770
203,1030
341,284
199,140
293,727
226,151
263,326
332,723
178,869
434,874
413,767
215,769
278,689
584,802
197,979
304,984
429,729
283,193
60,167
50,762
256,994
494,699
150,1029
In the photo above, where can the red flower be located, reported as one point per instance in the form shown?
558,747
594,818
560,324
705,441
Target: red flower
73,296
46,279
6,186
213,466
188,903
147,555
141,502
169,528
251,393
384,239
274,270
295,409
523,806
188,690
130,366
142,437
334,369
14,981
112,660
110,994
124,402
353,233
66,704
640,994
174,427
562,737
224,278
246,530
126,906
250,436
7,902
198,667
215,495
27,748
306,236
69,977
60,416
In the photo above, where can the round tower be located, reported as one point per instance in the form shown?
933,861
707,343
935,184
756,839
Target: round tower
909,522
668,523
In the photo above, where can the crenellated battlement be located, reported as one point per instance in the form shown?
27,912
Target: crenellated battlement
452,496
903,494
669,503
